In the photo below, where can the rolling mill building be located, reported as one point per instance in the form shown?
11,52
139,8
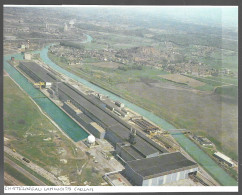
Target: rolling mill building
146,162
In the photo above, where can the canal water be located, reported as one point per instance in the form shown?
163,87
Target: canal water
191,148
74,131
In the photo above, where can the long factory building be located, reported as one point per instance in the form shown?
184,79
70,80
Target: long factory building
91,112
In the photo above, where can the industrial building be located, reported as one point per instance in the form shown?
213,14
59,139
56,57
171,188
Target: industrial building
159,170
223,158
131,145
203,141
27,56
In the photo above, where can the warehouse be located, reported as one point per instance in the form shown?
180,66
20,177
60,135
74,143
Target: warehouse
223,158
36,72
84,120
159,170
96,130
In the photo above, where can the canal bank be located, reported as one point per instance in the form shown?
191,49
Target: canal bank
191,148
71,128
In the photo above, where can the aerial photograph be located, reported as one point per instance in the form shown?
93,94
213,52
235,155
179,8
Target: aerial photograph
120,95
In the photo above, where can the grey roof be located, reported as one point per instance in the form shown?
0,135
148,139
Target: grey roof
85,118
109,103
39,71
160,165
131,151
144,148
95,108
154,144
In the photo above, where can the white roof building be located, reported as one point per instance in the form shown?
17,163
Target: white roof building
224,157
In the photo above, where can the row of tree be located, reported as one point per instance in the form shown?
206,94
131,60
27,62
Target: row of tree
72,44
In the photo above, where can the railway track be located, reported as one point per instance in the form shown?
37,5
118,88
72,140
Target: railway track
197,179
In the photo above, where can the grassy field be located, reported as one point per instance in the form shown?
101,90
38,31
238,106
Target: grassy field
117,41
26,133
222,85
17,175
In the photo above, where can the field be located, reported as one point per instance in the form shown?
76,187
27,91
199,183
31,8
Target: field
196,108
223,85
35,137
117,41
193,110
106,64
183,79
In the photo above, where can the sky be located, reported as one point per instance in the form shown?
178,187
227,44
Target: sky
225,16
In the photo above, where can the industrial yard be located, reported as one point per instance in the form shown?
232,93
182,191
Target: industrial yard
130,144
91,103
121,134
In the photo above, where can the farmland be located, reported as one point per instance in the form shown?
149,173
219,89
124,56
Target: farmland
183,79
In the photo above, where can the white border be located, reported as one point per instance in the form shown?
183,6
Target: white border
109,189
167,6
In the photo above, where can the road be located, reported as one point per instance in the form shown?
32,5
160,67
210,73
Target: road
26,173
49,176
11,181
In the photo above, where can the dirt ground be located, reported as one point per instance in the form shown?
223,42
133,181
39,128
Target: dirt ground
196,110
183,79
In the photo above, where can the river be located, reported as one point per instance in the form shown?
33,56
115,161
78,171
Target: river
191,148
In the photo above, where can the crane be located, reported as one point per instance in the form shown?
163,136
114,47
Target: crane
40,84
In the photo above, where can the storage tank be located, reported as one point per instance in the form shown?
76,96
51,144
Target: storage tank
91,139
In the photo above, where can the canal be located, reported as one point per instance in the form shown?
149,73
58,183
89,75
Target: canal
70,127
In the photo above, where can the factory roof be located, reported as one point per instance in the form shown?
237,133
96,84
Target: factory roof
90,107
109,103
73,107
39,71
94,106
144,147
224,157
134,155
85,118
98,127
161,165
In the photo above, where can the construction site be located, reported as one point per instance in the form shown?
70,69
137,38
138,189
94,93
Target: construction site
148,156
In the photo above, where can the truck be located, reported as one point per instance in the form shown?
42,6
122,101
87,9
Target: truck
26,160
